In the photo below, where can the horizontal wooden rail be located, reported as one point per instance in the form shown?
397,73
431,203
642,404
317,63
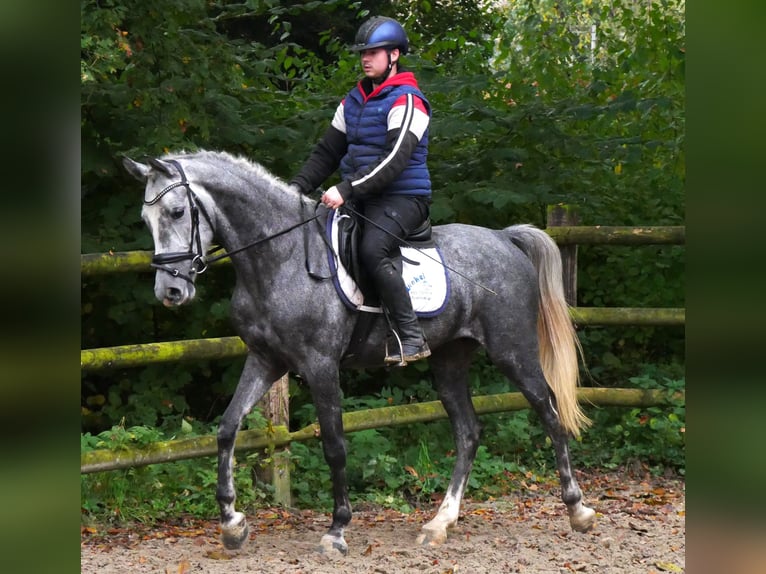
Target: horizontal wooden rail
92,264
250,440
132,261
137,355
614,235
634,316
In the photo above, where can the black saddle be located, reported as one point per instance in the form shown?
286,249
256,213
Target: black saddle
349,233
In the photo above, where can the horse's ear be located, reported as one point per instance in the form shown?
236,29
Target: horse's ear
138,170
161,166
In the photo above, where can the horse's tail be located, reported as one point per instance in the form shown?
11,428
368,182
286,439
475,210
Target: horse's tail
559,345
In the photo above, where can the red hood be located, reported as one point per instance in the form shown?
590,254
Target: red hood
400,79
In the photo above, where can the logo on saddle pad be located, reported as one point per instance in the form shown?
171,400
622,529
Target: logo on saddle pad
423,271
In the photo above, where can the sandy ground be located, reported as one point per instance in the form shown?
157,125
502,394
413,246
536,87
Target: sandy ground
640,528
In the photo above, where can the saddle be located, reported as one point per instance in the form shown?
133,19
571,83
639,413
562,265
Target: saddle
419,262
349,231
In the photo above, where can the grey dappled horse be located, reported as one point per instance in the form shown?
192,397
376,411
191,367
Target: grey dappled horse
294,322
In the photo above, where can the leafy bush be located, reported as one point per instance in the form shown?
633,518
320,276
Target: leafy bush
653,437
399,467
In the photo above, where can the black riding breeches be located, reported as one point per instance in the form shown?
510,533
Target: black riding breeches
393,217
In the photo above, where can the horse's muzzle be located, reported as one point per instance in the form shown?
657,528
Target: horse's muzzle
173,295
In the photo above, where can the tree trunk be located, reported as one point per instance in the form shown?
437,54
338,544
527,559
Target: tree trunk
566,216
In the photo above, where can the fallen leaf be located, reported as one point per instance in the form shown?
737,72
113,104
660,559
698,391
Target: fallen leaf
668,567
217,555
481,511
367,551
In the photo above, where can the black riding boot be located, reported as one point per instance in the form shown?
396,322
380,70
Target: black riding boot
396,299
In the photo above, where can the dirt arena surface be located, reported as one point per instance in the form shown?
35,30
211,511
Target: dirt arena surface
640,528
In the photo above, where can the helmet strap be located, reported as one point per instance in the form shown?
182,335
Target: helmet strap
383,77
391,63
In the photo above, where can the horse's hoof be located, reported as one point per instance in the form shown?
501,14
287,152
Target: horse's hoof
234,535
582,518
432,536
332,545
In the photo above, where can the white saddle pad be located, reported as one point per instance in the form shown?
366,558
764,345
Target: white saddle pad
423,272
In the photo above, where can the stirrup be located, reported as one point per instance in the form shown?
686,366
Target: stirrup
402,359
395,360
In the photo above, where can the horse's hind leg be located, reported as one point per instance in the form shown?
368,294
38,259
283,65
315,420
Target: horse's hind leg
581,517
450,365
524,369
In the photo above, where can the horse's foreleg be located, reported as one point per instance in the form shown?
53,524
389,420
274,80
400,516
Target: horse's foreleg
250,389
450,367
326,396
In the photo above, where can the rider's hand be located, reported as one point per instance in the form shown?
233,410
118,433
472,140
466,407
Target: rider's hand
332,198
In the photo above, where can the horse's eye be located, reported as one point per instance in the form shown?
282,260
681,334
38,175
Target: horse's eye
177,212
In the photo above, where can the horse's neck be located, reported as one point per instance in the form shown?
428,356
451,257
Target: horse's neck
248,214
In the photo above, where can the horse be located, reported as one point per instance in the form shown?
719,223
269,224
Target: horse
506,295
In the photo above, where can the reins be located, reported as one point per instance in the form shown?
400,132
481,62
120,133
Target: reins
257,241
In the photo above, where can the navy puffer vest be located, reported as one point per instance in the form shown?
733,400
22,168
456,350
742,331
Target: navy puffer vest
366,126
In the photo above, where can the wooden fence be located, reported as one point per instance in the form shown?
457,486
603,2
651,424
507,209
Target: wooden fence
566,236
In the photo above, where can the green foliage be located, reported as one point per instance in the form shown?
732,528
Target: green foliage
398,467
313,487
653,437
156,492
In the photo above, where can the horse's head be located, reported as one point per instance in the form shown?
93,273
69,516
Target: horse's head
181,237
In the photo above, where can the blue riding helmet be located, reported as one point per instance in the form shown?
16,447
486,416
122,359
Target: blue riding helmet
381,32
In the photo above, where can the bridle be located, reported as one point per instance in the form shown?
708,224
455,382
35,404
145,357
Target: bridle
199,260
163,261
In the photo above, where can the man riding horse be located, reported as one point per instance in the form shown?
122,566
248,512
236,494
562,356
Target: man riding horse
379,139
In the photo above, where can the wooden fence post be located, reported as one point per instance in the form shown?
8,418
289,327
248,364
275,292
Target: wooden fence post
562,215
276,408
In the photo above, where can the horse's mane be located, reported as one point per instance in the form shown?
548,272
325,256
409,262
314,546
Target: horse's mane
236,164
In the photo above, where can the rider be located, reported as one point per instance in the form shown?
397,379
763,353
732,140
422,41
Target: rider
379,139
